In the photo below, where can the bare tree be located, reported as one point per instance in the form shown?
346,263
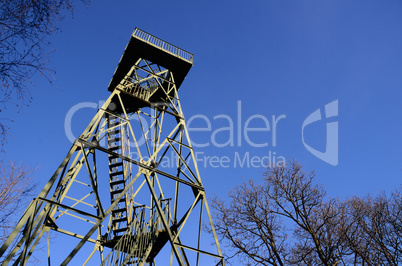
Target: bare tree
374,229
24,29
25,26
16,190
257,222
250,227
15,187
289,220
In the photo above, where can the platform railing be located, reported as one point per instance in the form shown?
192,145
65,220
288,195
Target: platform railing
133,244
140,236
165,46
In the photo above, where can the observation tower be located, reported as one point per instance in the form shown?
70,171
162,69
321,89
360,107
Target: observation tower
129,191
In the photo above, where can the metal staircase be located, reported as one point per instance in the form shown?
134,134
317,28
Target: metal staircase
143,91
142,240
117,177
134,224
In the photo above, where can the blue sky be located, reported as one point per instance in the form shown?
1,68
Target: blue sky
273,58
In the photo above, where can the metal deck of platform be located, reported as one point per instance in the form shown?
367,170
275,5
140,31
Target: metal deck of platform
146,46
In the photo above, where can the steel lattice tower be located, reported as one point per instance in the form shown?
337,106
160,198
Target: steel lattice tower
129,188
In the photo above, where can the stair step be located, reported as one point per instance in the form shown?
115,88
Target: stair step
114,140
112,156
118,182
116,173
113,135
121,200
114,131
119,210
114,148
116,192
124,219
115,165
119,230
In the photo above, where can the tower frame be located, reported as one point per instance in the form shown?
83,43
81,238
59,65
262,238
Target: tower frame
152,209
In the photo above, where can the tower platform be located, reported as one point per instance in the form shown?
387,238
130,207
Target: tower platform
146,46
154,208
151,240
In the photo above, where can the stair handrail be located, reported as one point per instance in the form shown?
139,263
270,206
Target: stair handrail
139,236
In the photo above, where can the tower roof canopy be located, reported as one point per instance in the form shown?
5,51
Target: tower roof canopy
146,46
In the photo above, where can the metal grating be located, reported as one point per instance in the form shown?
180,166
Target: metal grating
165,46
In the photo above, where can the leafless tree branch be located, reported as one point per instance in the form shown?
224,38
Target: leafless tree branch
254,225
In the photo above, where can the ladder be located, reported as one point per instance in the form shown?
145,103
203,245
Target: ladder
117,178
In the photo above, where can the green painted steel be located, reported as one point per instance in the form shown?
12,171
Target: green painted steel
148,209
